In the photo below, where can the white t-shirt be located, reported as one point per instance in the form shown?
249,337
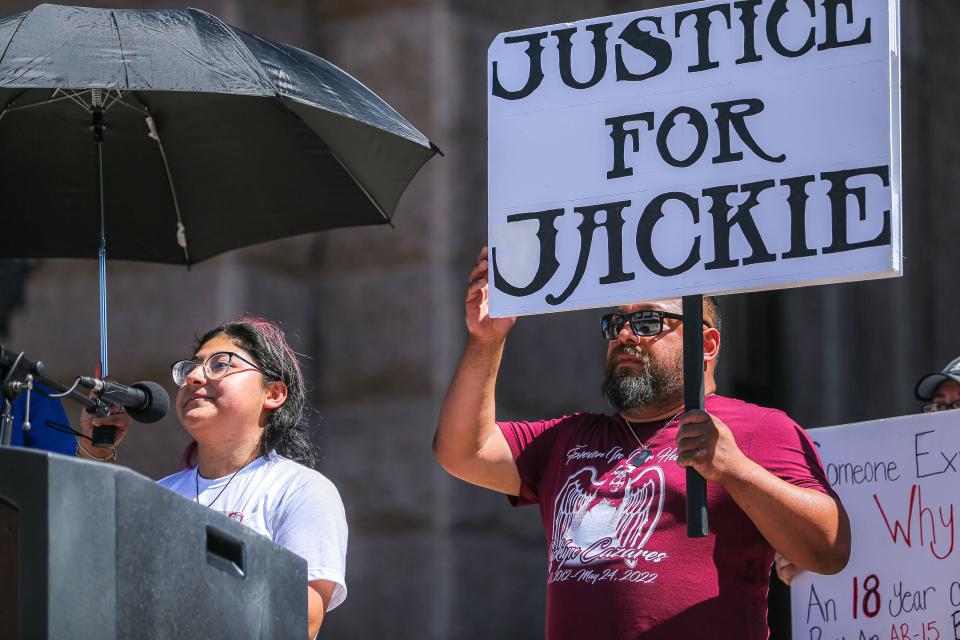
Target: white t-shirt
295,506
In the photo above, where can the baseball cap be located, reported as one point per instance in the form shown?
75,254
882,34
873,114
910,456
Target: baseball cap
927,386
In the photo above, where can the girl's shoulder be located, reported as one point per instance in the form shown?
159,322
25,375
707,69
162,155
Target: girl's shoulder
295,476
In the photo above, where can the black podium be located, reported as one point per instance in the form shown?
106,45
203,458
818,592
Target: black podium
98,552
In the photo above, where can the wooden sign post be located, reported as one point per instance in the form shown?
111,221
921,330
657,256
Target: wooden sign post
697,526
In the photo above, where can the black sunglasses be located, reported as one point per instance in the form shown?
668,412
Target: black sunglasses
644,324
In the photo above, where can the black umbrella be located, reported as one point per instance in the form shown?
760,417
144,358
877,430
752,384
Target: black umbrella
193,136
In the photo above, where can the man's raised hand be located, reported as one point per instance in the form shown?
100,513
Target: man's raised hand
477,303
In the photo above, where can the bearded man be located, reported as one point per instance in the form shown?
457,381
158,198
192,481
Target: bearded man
611,488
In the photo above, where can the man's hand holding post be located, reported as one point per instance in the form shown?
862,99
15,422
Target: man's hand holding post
705,443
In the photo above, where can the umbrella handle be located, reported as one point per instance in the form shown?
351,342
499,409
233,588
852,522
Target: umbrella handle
104,436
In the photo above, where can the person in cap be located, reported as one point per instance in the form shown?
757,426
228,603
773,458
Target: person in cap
941,390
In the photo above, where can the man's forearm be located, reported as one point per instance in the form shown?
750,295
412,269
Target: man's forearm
809,527
468,442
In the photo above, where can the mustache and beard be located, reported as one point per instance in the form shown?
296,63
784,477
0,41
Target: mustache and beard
652,384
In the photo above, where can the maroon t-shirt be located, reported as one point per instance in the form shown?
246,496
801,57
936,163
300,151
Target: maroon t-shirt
620,564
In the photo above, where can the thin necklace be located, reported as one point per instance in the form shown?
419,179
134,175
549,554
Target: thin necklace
645,453
197,481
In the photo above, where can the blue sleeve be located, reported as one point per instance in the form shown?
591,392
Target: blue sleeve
41,435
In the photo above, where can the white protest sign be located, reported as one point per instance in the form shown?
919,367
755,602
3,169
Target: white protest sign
899,480
712,147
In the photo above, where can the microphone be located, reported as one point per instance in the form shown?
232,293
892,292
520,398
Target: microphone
145,402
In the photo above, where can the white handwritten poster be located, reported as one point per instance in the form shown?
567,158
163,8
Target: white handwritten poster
899,480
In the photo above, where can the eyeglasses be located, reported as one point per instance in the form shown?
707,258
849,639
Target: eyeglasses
643,323
215,367
936,406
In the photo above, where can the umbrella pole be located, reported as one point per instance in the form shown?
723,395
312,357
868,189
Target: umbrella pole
98,129
103,436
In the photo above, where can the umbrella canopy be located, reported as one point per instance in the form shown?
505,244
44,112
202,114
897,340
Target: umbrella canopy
213,138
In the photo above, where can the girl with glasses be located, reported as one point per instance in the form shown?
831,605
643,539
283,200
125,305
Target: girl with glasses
242,399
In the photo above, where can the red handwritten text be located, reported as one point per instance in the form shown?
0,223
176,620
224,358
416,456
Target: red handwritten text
936,529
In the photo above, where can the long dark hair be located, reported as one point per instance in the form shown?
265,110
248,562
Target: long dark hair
266,343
